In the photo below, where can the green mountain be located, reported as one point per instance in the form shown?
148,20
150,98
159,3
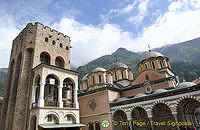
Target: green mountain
184,57
3,73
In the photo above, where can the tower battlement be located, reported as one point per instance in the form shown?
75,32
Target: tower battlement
50,30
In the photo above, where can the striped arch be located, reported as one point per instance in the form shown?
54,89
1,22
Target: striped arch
117,116
188,110
161,112
185,97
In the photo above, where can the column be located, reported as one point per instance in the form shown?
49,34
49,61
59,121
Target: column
33,93
32,96
60,96
75,96
150,126
176,120
104,77
41,98
126,73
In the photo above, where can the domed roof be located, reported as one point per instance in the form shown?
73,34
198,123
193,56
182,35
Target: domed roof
84,77
121,99
152,54
98,69
117,65
185,85
159,91
140,95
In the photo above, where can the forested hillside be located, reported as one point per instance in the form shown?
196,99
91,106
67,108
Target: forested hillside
184,57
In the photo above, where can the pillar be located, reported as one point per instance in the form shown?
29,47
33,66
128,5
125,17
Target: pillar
126,73
176,120
104,77
75,95
60,96
150,126
41,98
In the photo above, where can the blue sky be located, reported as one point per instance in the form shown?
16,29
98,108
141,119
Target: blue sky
99,27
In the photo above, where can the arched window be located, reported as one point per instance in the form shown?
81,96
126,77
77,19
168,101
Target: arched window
93,80
46,39
68,93
161,64
115,75
53,42
70,119
146,66
59,62
153,65
67,48
45,58
97,126
33,123
147,77
90,127
61,45
51,91
51,118
99,78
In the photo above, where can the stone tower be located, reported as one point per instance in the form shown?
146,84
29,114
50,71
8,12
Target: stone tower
39,56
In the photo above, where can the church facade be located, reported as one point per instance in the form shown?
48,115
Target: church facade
41,90
154,99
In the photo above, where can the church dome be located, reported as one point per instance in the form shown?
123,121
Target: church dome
98,69
152,54
185,85
140,95
118,65
159,91
84,77
122,99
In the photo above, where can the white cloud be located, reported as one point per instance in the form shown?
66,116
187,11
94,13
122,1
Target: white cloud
128,8
142,11
8,32
179,23
90,42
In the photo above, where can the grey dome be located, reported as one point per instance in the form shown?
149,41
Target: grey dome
152,54
85,77
140,95
185,85
98,69
159,91
117,65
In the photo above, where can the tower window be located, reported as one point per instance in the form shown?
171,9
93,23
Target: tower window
99,78
61,45
161,64
67,48
122,73
93,79
53,42
141,68
153,65
147,77
46,39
